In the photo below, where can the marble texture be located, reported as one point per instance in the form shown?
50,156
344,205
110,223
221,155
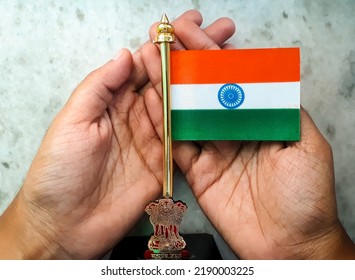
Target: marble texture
47,47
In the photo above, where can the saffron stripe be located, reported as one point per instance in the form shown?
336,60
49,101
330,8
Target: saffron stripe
242,124
235,66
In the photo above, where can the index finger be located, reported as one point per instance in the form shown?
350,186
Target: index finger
139,75
190,36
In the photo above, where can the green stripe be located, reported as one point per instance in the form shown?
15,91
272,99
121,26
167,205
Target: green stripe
239,124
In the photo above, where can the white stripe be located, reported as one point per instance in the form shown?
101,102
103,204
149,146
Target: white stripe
257,96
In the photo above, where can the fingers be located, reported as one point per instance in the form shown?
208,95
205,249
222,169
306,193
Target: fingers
227,46
312,140
185,153
151,60
154,107
221,30
91,98
139,76
191,16
214,35
191,36
149,54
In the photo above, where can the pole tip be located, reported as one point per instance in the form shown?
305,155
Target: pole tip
164,18
165,31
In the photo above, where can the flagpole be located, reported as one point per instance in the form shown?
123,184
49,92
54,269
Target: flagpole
165,37
166,214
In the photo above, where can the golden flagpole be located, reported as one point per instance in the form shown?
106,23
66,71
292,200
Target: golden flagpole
164,38
165,213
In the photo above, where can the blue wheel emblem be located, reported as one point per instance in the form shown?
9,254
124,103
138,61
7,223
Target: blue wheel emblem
231,96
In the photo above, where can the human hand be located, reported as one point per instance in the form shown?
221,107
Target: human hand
100,162
98,165
268,200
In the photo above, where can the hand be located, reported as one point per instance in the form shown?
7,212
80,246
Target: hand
100,162
269,200
97,168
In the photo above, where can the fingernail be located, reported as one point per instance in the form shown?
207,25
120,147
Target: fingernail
118,54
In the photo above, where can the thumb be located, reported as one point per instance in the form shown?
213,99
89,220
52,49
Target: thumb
312,141
91,98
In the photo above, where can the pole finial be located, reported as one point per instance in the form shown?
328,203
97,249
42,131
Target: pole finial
165,31
164,18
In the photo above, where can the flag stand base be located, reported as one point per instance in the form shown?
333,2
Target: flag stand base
200,246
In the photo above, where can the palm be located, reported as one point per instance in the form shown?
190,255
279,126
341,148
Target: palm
127,170
113,164
264,198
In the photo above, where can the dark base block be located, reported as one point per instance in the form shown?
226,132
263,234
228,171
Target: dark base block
199,247
180,255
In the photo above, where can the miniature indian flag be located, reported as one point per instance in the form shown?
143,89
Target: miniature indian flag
246,94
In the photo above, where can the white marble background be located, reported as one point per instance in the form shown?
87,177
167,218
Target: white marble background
47,47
